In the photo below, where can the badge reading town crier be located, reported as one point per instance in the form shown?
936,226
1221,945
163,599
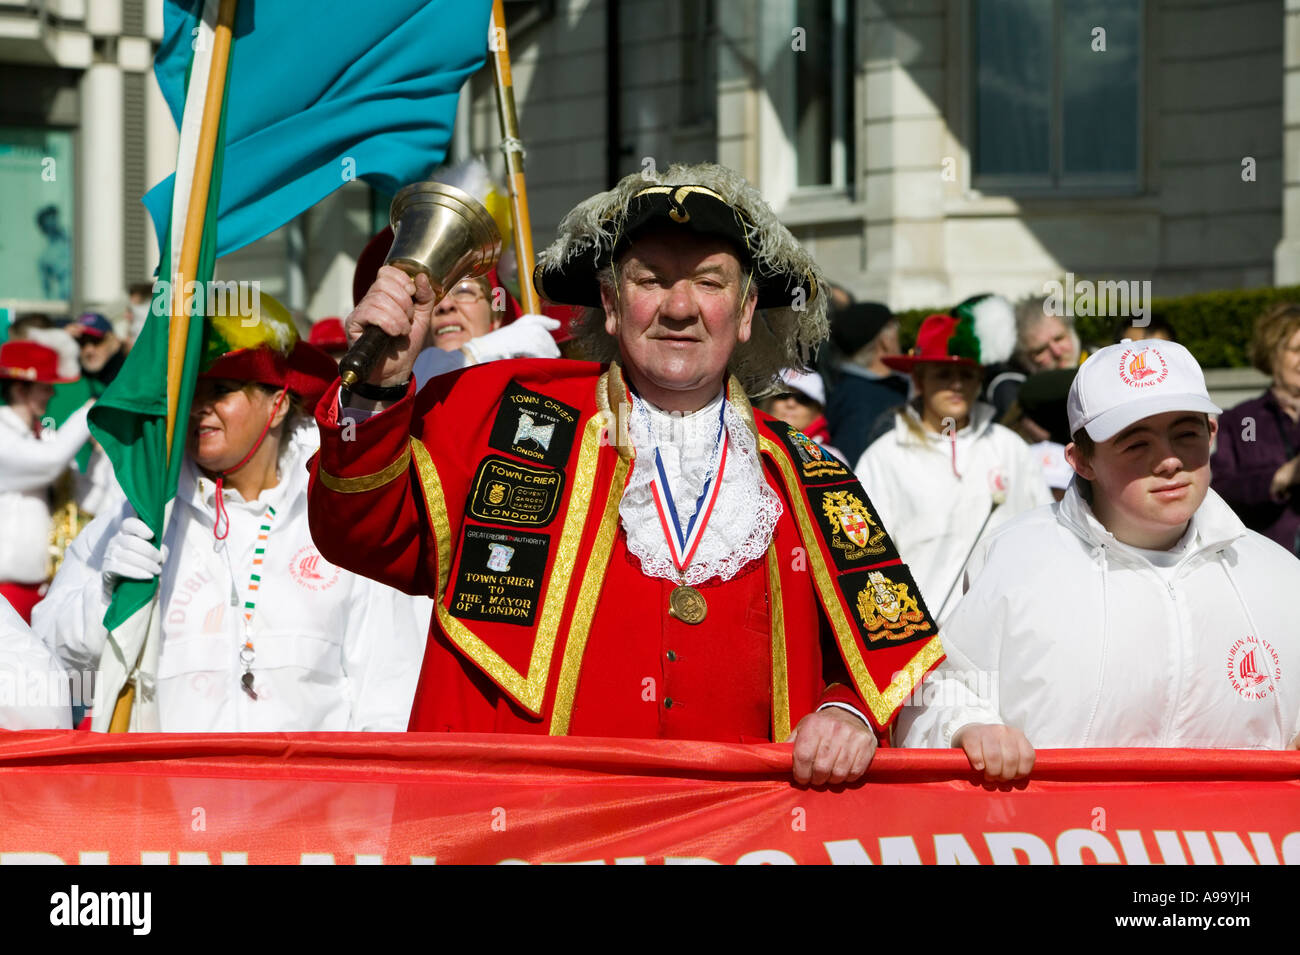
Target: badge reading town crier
854,533
889,607
508,493
534,426
499,577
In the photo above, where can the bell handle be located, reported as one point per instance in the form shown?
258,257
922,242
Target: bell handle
366,351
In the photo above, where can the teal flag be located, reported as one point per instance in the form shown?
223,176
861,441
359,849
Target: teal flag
322,93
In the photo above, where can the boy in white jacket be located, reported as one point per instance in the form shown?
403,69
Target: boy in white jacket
1139,611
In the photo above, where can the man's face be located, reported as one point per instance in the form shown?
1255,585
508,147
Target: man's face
1049,344
1150,478
680,309
95,352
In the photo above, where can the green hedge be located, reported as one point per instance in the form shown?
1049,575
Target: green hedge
1216,327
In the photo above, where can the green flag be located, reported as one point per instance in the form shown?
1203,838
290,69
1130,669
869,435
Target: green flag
130,422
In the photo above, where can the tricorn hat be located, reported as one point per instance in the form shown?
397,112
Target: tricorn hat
702,199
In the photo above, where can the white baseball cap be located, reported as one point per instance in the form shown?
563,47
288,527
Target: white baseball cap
1120,385
808,383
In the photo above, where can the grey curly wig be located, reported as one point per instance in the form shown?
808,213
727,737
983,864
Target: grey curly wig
782,337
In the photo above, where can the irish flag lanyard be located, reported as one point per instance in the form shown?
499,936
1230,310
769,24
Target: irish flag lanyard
686,603
246,652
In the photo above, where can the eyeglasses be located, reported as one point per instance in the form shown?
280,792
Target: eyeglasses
467,293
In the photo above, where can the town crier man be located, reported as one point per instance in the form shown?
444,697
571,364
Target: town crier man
623,547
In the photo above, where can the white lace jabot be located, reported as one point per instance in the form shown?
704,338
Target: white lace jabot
744,514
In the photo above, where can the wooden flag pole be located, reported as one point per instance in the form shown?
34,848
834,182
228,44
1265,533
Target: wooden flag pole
514,153
179,329
197,208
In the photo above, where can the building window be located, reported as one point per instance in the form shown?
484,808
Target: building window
823,94
699,84
36,214
1057,94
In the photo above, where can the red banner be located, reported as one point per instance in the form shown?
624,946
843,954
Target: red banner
425,798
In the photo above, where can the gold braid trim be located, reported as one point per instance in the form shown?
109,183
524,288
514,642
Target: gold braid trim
780,671
368,482
584,610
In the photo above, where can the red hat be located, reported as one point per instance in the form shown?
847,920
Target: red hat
941,338
376,251
328,333
30,361
306,371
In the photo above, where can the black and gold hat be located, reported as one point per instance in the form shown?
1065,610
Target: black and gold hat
693,208
704,199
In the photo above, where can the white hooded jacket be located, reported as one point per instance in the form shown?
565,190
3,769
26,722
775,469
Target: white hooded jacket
1082,641
28,466
933,494
332,650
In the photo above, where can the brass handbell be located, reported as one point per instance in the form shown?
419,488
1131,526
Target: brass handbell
440,231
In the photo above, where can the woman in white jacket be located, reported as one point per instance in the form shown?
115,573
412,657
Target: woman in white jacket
947,474
1139,611
33,458
259,632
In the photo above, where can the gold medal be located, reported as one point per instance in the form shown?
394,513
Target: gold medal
687,604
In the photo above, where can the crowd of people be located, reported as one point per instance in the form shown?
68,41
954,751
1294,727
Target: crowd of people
486,536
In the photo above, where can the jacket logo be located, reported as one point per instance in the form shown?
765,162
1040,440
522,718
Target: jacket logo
1253,666
499,557
508,493
529,430
888,610
309,569
534,426
500,575
815,463
846,513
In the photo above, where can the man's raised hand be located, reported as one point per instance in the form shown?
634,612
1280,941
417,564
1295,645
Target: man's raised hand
402,307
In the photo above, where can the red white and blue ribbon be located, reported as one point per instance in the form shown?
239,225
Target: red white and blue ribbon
682,543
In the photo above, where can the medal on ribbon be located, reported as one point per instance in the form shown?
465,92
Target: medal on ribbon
686,603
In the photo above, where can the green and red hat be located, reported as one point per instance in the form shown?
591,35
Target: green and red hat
943,339
267,350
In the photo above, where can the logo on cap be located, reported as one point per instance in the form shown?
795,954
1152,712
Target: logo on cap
1142,368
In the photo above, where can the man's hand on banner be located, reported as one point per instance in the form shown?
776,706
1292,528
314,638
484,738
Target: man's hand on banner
1001,753
831,746
129,554
402,307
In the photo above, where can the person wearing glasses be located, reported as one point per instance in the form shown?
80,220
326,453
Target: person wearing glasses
476,322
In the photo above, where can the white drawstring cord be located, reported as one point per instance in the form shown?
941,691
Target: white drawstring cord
1099,550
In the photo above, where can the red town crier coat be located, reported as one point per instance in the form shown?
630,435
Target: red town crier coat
496,490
